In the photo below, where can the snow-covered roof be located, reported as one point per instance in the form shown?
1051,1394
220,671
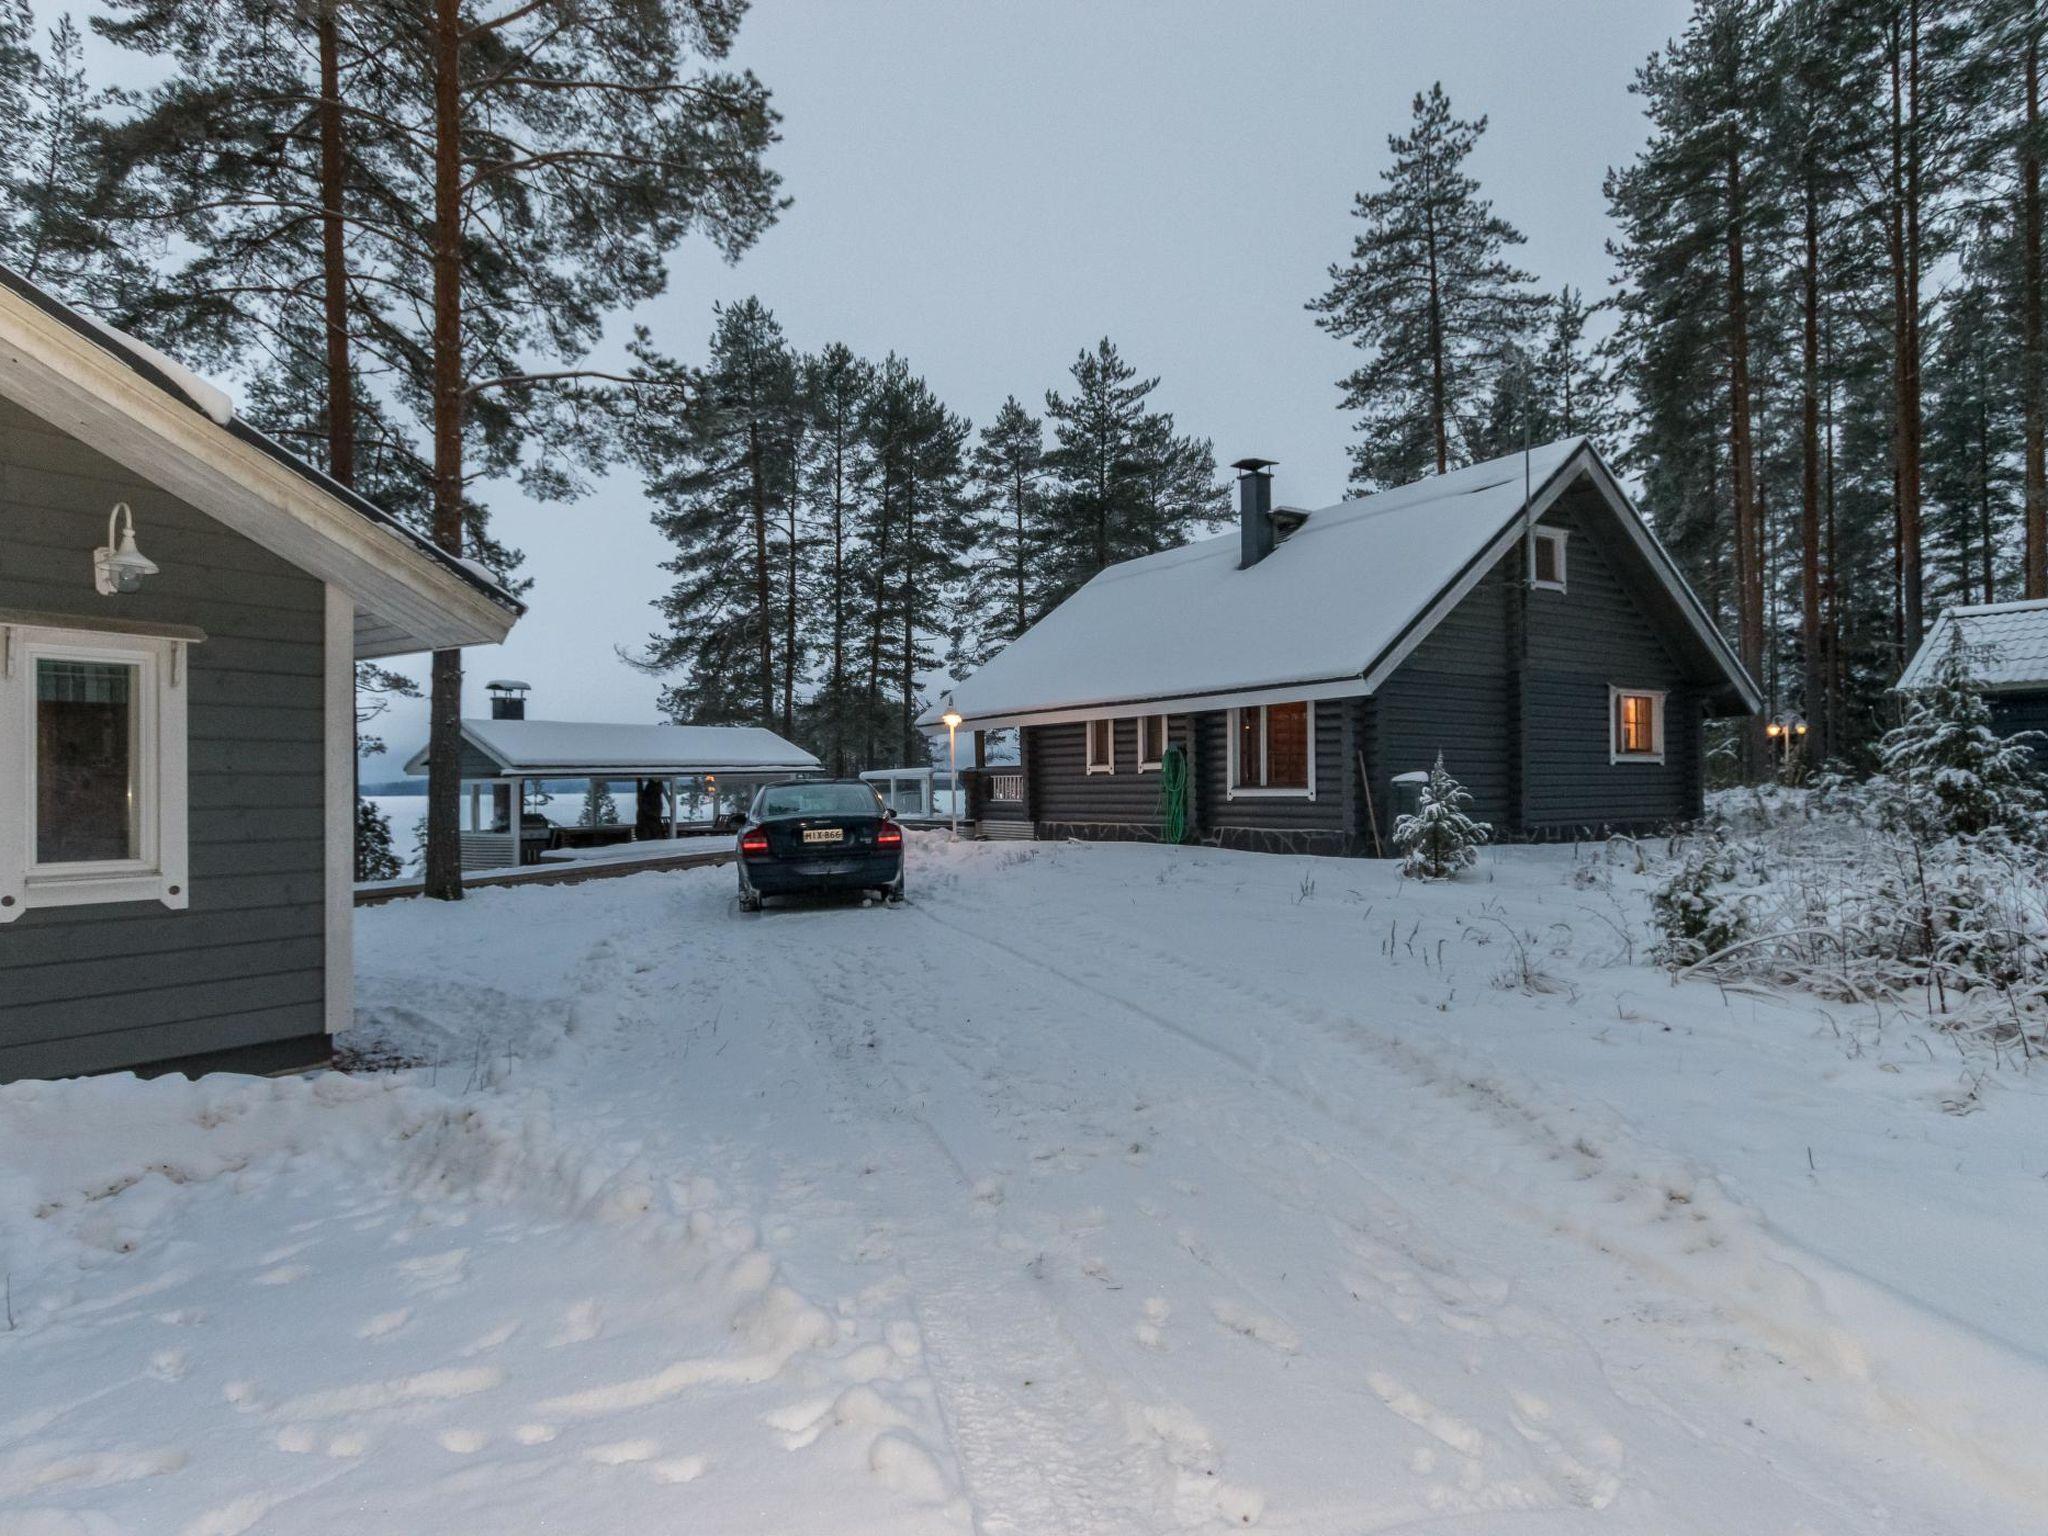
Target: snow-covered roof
574,748
1328,614
2010,642
229,469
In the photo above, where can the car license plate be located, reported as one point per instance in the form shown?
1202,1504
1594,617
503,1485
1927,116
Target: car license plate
824,834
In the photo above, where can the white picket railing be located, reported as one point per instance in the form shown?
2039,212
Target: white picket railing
1006,787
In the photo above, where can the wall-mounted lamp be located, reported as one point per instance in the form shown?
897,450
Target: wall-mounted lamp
118,566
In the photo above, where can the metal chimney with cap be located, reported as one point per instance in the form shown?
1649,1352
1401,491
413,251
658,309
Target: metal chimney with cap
1254,506
508,698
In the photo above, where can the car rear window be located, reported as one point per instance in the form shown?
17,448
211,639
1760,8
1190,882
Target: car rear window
818,800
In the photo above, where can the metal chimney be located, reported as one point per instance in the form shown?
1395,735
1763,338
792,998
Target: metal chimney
1254,504
508,698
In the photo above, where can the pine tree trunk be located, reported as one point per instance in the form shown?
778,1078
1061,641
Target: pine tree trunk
341,408
764,607
909,678
872,702
838,601
2032,374
1902,238
789,600
1813,689
444,740
1438,385
1742,465
1017,494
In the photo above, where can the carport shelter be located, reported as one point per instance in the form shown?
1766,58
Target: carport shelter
501,756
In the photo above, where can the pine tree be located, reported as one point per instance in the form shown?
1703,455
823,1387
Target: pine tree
1438,839
836,389
1692,208
1974,442
1948,772
56,206
1430,298
1122,482
721,469
1009,469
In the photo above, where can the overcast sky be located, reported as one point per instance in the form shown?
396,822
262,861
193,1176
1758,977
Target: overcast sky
988,189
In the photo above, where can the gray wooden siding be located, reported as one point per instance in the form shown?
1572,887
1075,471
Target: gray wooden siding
1600,631
1451,696
1062,789
1325,813
1456,693
98,987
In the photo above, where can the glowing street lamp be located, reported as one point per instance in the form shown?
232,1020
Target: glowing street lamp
951,720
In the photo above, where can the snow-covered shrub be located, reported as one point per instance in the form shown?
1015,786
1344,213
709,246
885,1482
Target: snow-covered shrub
1946,772
1696,907
1439,839
376,859
1953,929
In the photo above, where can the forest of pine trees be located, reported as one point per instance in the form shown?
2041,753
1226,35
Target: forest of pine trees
839,532
401,230
1820,359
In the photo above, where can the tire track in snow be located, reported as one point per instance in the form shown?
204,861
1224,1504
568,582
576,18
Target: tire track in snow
1043,1438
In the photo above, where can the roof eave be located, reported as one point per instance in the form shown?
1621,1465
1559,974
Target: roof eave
60,370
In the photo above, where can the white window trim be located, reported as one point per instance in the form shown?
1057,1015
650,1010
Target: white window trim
1088,746
1151,764
1614,752
1557,538
1230,776
158,873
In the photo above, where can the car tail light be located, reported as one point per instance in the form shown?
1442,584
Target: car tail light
890,836
754,841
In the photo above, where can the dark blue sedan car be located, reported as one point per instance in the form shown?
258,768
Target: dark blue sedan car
819,835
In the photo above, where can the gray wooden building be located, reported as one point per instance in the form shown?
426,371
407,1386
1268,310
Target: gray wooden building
2008,649
1517,616
182,603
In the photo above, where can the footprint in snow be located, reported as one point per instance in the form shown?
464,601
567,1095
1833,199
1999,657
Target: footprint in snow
1269,1331
283,1274
384,1324
580,1324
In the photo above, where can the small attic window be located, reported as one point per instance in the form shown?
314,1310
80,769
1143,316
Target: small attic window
1546,559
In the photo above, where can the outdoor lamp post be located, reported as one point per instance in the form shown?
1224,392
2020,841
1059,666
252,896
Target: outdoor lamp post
1788,732
118,566
951,720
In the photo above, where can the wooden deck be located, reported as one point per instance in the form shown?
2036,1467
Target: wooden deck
557,874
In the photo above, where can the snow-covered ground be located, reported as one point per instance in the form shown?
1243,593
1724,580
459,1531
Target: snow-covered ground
1097,1189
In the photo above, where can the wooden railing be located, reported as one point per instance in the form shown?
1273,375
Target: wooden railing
1006,787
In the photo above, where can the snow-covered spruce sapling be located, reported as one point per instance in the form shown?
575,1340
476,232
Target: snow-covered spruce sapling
1946,772
1439,839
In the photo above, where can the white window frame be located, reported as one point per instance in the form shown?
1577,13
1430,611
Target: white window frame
159,870
1107,763
1151,764
1614,697
1233,791
1556,538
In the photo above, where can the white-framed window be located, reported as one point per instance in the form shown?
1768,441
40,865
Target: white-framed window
1546,559
1151,742
1101,746
1635,725
1273,751
92,768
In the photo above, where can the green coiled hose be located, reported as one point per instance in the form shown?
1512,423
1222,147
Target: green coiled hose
1173,795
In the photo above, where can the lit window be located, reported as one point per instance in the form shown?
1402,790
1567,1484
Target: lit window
1638,725
98,723
1151,741
1102,746
1271,750
1546,559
